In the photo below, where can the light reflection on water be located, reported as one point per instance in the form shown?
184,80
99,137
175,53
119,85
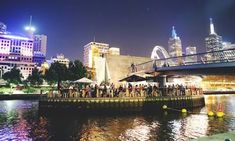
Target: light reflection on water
19,120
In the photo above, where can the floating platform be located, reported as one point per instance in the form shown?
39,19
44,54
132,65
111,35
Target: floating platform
120,104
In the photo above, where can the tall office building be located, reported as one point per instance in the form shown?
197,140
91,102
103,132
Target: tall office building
16,51
94,49
189,51
39,49
95,56
213,42
24,52
174,45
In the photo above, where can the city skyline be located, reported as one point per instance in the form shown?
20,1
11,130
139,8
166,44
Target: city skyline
134,27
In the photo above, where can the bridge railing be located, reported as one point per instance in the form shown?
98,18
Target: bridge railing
219,56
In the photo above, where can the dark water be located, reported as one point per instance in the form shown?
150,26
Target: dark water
20,120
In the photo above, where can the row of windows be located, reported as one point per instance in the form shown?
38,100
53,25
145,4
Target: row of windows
16,42
21,68
5,44
60,61
3,56
4,48
27,44
13,57
26,59
4,41
15,51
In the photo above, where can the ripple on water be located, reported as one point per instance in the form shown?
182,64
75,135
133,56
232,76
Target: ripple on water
141,131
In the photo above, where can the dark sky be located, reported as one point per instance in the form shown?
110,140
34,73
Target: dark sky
135,26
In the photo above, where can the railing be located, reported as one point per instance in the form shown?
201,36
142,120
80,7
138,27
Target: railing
127,93
219,56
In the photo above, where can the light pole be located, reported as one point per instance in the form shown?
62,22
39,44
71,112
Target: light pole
1,72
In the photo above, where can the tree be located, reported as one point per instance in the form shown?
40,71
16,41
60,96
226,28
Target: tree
56,72
76,70
13,76
59,72
35,78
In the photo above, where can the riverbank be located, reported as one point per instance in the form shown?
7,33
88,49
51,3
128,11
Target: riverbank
20,96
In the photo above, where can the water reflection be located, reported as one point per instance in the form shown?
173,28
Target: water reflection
19,120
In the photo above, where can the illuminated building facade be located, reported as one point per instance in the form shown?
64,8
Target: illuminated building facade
94,55
174,45
213,42
60,59
16,51
189,51
92,50
39,49
24,52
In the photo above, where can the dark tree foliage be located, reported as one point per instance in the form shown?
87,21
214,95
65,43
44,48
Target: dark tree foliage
35,78
13,76
76,70
59,72
56,72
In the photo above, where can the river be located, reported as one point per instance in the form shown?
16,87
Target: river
21,120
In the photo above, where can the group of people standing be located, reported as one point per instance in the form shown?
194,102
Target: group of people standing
129,90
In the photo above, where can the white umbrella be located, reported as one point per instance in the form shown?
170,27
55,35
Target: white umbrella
83,80
3,82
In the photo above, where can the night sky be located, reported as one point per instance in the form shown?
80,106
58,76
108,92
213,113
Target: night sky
135,26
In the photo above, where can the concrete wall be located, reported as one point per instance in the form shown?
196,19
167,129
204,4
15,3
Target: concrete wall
117,66
99,64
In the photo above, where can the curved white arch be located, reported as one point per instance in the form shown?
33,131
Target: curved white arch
158,49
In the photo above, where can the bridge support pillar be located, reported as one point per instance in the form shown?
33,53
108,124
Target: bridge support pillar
162,80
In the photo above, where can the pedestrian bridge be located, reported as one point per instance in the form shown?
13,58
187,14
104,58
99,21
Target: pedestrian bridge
208,63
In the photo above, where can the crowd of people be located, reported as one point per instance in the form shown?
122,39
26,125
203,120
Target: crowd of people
129,90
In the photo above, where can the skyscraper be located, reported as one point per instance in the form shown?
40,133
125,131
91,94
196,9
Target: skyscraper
39,49
23,52
39,44
95,49
175,46
189,51
92,50
213,42
16,51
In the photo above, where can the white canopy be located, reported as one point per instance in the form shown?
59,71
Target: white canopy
83,80
3,82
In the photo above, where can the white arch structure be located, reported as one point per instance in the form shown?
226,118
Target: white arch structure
159,49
